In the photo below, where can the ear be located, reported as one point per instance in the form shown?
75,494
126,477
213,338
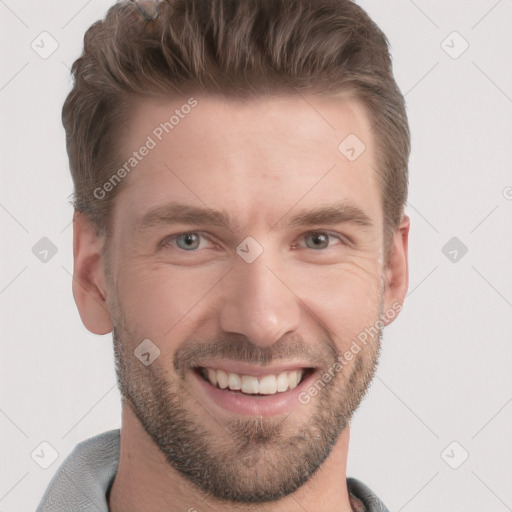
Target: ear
396,273
89,283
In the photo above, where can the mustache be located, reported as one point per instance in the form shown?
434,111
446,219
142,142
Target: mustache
235,347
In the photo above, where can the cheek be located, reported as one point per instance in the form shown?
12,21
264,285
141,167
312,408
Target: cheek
159,300
346,299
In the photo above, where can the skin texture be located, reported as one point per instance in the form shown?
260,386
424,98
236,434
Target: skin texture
261,161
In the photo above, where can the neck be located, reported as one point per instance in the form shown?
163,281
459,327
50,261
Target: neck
146,482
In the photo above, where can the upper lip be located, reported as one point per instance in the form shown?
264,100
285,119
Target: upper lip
255,370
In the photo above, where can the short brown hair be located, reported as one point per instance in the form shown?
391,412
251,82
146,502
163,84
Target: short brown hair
237,48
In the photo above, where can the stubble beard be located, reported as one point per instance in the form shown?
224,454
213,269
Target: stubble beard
244,460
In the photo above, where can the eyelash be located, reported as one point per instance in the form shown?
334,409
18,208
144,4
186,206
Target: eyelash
170,240
341,238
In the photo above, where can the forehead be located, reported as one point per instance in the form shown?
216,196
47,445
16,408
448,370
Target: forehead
258,155
293,117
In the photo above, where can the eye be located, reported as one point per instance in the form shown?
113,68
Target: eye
318,240
190,241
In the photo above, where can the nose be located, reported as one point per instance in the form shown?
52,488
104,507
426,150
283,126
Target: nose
258,303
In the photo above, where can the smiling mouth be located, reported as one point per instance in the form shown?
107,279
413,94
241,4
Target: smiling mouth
264,385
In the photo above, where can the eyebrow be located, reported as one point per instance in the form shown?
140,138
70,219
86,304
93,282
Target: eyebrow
338,213
177,213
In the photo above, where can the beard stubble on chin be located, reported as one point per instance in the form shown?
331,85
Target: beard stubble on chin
244,459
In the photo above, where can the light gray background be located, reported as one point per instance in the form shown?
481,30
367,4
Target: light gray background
445,373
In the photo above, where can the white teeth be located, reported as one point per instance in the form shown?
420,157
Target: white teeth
222,379
212,376
266,385
282,382
293,380
250,385
234,381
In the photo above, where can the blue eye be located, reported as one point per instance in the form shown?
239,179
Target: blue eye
320,240
185,241
189,248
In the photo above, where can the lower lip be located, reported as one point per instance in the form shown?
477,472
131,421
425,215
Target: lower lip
254,405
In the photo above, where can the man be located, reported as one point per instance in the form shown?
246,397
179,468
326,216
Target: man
240,171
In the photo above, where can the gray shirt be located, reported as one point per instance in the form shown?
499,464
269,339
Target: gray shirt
83,480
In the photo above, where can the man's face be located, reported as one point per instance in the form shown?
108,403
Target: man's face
284,274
